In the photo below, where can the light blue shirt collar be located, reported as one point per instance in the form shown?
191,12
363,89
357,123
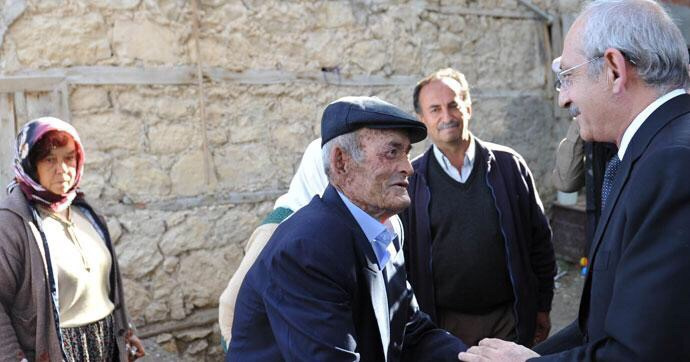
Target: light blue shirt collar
376,232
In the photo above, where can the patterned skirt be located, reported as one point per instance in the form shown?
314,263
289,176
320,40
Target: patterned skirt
93,342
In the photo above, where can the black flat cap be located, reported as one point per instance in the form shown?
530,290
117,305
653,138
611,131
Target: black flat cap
348,114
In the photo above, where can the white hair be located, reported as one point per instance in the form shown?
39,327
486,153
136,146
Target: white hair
348,142
644,33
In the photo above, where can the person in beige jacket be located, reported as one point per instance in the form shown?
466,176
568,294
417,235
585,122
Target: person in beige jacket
308,181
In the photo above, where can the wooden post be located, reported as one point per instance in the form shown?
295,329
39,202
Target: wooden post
208,172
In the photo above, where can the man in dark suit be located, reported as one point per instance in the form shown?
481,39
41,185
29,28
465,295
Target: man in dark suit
330,285
624,77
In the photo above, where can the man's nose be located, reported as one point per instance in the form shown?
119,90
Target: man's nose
447,115
563,99
406,167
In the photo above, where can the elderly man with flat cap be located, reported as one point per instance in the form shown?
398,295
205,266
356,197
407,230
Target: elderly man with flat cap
330,284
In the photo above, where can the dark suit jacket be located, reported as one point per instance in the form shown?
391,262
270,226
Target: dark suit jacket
316,294
636,300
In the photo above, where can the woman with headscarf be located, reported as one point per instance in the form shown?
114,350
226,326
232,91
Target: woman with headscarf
60,286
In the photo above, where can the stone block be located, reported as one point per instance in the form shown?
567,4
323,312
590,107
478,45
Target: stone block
190,335
170,346
92,183
319,46
141,178
449,43
46,40
125,132
165,337
156,311
166,138
292,136
170,264
142,222
138,255
171,105
89,99
244,167
192,234
196,347
146,41
369,55
227,14
235,225
206,274
136,297
225,52
188,175
335,14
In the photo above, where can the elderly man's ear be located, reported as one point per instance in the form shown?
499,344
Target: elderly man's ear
339,162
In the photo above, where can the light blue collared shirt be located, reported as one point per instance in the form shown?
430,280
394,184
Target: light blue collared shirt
377,233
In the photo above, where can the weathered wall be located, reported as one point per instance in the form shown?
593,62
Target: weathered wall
178,238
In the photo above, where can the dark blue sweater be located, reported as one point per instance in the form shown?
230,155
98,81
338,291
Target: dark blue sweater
526,231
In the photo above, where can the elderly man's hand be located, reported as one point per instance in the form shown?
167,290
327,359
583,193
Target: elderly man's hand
496,350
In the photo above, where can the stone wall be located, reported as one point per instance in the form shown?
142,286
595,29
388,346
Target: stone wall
270,68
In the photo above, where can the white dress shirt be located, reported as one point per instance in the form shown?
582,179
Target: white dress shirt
639,120
464,173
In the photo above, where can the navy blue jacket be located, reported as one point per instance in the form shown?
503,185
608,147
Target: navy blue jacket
525,230
316,293
636,300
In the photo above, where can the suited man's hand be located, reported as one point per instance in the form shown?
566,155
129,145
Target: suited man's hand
497,350
543,327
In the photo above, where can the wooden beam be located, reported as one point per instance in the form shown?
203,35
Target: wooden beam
462,10
184,75
38,81
98,75
185,203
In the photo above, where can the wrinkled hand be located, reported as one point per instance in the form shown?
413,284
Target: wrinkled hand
133,344
543,327
496,350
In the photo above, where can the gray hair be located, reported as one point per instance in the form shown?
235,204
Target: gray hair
644,33
348,142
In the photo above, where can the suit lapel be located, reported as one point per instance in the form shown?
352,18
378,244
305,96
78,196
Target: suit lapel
656,121
379,302
638,144
375,279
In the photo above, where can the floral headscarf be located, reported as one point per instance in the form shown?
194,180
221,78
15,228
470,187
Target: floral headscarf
27,138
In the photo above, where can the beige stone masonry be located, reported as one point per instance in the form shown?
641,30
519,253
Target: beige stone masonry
125,72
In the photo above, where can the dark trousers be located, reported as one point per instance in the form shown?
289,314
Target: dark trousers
472,328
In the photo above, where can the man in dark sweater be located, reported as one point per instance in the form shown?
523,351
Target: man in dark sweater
480,257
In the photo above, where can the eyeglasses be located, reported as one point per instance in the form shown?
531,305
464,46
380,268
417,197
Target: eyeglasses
563,76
